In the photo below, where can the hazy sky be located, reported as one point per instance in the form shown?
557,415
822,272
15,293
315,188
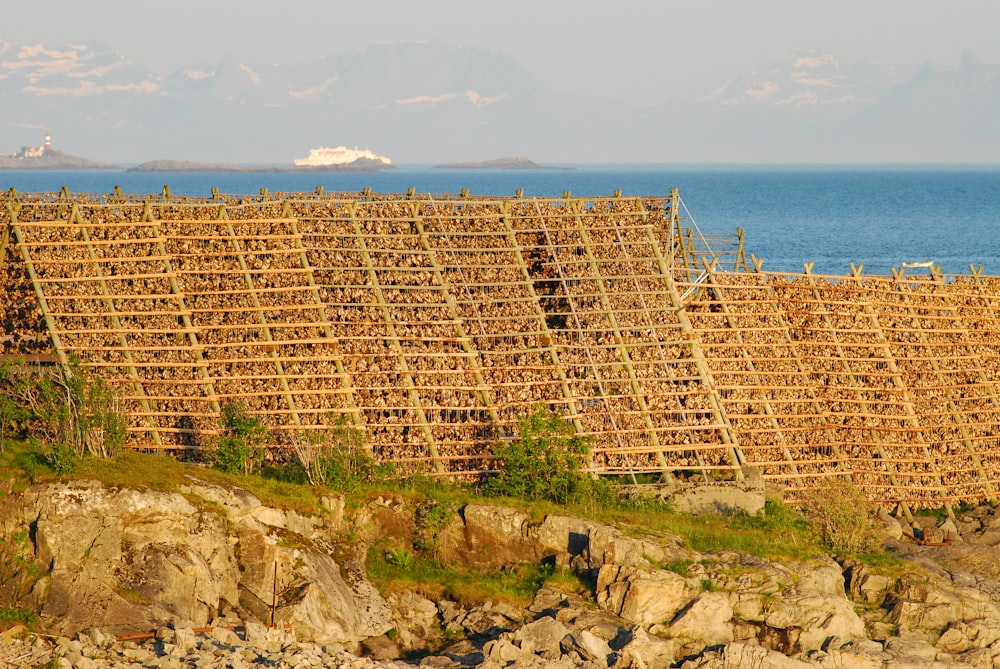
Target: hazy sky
691,44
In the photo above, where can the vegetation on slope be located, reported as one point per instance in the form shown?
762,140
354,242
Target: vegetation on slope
541,471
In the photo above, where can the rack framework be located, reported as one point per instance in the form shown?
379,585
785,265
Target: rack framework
434,322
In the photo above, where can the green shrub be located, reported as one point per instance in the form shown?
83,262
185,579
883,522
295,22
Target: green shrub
845,520
432,518
240,446
679,567
400,557
339,459
65,412
544,464
17,614
59,455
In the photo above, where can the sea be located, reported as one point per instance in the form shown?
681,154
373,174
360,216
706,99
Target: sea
878,216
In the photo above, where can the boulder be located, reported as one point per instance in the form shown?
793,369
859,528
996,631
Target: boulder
719,497
703,622
915,648
416,620
988,537
380,648
501,652
492,536
542,635
321,606
891,527
956,639
823,576
799,622
949,531
641,596
128,560
739,655
865,586
588,646
927,604
646,651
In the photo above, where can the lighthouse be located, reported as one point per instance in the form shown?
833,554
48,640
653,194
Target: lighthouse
48,142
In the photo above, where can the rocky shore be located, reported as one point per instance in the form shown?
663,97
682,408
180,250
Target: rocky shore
125,578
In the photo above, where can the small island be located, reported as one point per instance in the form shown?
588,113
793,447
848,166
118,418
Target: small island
51,160
46,158
509,163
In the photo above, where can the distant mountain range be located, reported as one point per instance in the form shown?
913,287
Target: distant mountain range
435,102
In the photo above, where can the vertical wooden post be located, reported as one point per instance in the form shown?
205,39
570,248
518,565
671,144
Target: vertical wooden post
727,434
394,343
274,593
189,329
261,318
116,322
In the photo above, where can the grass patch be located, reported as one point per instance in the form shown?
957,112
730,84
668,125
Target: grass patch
679,567
131,596
18,614
163,473
24,463
132,469
887,564
777,533
430,579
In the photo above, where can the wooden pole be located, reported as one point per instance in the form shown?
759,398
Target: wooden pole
117,324
274,593
394,342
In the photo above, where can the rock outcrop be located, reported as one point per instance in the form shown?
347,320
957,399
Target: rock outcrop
207,567
133,561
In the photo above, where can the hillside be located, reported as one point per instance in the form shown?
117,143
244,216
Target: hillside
194,568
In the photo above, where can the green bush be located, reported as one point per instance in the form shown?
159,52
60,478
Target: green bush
845,520
339,459
432,519
17,614
65,412
240,446
545,463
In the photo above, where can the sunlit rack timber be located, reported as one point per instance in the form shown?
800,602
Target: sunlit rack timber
433,322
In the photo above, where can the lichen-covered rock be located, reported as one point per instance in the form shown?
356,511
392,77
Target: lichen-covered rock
705,621
642,596
127,559
540,636
133,561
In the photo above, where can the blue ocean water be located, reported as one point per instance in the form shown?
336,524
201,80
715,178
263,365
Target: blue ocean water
878,216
